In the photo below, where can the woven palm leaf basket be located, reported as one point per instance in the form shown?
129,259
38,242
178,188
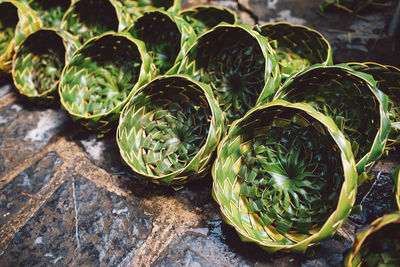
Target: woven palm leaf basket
297,46
284,177
101,77
167,37
169,130
38,64
239,65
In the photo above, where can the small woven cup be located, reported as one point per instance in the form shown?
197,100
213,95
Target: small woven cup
169,130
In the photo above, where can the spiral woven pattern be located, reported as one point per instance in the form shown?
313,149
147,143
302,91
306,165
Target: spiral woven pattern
352,100
378,245
204,17
242,73
284,176
166,36
89,18
169,129
297,47
98,80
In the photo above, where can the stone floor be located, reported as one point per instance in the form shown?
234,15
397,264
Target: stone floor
67,199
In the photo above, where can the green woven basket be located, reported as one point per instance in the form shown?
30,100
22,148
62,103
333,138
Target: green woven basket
353,100
100,78
88,18
284,177
204,17
167,38
378,245
297,47
39,61
169,129
238,63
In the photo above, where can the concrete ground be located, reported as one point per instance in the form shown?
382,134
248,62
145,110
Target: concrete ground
67,199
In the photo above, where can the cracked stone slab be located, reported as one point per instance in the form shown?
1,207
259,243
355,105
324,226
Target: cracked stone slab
79,225
16,193
23,132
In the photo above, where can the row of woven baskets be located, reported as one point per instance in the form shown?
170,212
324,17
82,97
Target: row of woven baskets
293,134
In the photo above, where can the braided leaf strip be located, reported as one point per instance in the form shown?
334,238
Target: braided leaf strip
204,17
242,73
351,98
378,245
166,35
50,12
37,65
14,29
100,78
388,81
88,18
169,129
284,177
297,47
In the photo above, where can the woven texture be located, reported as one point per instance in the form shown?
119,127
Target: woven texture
297,47
388,81
50,12
169,129
378,245
242,73
166,36
100,77
352,100
284,177
37,65
129,10
88,18
203,18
